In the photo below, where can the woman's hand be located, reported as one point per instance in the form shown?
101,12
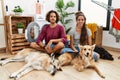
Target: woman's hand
76,50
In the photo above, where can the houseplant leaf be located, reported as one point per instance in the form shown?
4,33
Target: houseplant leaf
64,14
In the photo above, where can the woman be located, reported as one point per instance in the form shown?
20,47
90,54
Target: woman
53,33
80,35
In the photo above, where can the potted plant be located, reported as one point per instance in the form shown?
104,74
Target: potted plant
18,10
20,27
64,14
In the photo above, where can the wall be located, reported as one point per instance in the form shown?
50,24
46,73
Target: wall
29,9
2,37
29,5
94,13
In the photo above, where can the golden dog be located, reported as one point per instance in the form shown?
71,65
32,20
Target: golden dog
83,59
34,60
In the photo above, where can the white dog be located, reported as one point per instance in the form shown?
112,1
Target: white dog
34,60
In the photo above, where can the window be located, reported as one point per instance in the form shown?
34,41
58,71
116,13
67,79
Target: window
95,13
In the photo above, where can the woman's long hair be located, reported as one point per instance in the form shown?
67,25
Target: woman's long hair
84,35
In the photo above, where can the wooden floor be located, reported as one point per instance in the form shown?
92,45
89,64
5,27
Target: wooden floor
110,69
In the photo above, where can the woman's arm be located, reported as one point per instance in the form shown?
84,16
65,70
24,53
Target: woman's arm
72,43
89,36
90,40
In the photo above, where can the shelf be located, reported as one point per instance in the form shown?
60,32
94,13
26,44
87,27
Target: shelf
15,41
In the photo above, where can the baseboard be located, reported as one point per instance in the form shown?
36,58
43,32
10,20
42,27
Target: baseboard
111,48
2,49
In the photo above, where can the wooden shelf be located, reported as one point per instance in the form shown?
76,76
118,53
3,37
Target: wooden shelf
15,41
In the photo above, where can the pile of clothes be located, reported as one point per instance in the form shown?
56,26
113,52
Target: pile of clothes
115,29
104,54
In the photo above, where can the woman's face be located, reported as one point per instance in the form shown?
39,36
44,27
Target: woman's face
52,18
80,21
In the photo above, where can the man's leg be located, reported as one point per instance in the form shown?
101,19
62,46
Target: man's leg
36,46
56,48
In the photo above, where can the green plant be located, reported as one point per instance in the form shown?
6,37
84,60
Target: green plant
64,14
17,9
20,25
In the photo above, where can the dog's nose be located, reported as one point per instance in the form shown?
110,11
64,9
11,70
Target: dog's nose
53,72
87,54
59,69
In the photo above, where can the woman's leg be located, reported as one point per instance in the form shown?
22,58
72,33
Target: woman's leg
64,50
96,56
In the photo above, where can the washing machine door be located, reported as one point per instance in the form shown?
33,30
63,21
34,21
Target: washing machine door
32,31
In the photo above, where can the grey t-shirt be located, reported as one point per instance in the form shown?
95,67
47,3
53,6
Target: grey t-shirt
76,36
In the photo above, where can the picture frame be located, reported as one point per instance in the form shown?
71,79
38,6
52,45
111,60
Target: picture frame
1,12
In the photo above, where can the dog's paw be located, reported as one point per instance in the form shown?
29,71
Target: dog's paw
102,76
13,78
80,69
13,75
1,63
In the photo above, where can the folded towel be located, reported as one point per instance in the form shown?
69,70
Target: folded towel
93,28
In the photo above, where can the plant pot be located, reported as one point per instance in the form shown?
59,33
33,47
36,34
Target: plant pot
18,13
20,30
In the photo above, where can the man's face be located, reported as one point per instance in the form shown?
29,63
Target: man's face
52,18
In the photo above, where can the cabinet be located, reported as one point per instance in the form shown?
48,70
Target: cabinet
15,41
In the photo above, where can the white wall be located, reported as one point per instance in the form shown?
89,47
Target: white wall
93,12
2,37
29,5
29,9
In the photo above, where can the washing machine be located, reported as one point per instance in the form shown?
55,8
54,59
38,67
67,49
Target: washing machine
34,28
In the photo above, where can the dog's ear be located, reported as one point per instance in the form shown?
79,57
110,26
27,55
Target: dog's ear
80,46
52,57
93,46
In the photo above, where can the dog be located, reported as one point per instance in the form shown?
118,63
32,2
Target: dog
34,60
82,60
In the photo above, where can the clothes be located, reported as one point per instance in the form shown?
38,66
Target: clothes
76,36
115,22
48,33
93,28
104,54
115,29
115,33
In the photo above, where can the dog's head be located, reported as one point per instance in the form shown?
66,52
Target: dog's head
54,64
86,50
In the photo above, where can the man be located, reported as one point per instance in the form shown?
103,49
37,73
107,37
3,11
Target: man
53,33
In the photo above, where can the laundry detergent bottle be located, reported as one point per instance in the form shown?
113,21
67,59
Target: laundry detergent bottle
38,7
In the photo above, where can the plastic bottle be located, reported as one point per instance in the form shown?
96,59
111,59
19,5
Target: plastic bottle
38,7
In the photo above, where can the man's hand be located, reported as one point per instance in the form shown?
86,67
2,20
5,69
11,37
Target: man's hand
48,45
